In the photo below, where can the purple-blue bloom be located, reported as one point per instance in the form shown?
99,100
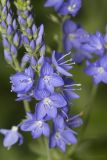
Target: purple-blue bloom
62,65
81,55
68,90
49,103
73,35
95,44
37,127
61,135
98,70
55,3
70,7
74,121
22,82
48,78
11,137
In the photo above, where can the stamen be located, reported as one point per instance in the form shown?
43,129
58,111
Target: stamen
64,114
70,85
64,56
72,89
67,61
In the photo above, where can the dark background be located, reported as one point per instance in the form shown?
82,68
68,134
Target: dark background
93,146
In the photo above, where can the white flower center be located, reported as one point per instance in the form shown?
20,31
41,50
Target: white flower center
47,78
14,128
71,36
39,124
57,135
99,46
71,8
47,101
100,70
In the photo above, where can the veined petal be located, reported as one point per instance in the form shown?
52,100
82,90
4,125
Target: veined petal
52,141
57,80
46,129
63,71
51,111
37,132
46,69
40,110
28,125
61,144
41,94
58,100
69,137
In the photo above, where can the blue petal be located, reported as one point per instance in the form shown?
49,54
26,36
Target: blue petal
57,81
46,69
103,61
97,78
63,9
69,137
51,111
28,125
91,70
63,71
61,144
41,94
58,100
29,72
59,123
104,77
52,141
40,110
10,139
69,27
4,131
37,132
46,129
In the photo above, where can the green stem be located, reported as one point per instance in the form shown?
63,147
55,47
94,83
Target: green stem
26,106
47,149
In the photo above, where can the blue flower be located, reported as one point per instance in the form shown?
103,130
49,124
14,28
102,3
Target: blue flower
37,127
74,121
49,103
11,137
22,82
68,90
81,55
61,65
98,70
62,135
95,44
55,3
70,7
48,79
73,36
28,96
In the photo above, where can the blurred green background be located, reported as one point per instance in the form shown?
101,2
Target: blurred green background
93,146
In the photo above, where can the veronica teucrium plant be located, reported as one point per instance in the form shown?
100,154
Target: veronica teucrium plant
46,78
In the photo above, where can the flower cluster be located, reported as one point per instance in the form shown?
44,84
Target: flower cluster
45,79
11,36
84,45
65,7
